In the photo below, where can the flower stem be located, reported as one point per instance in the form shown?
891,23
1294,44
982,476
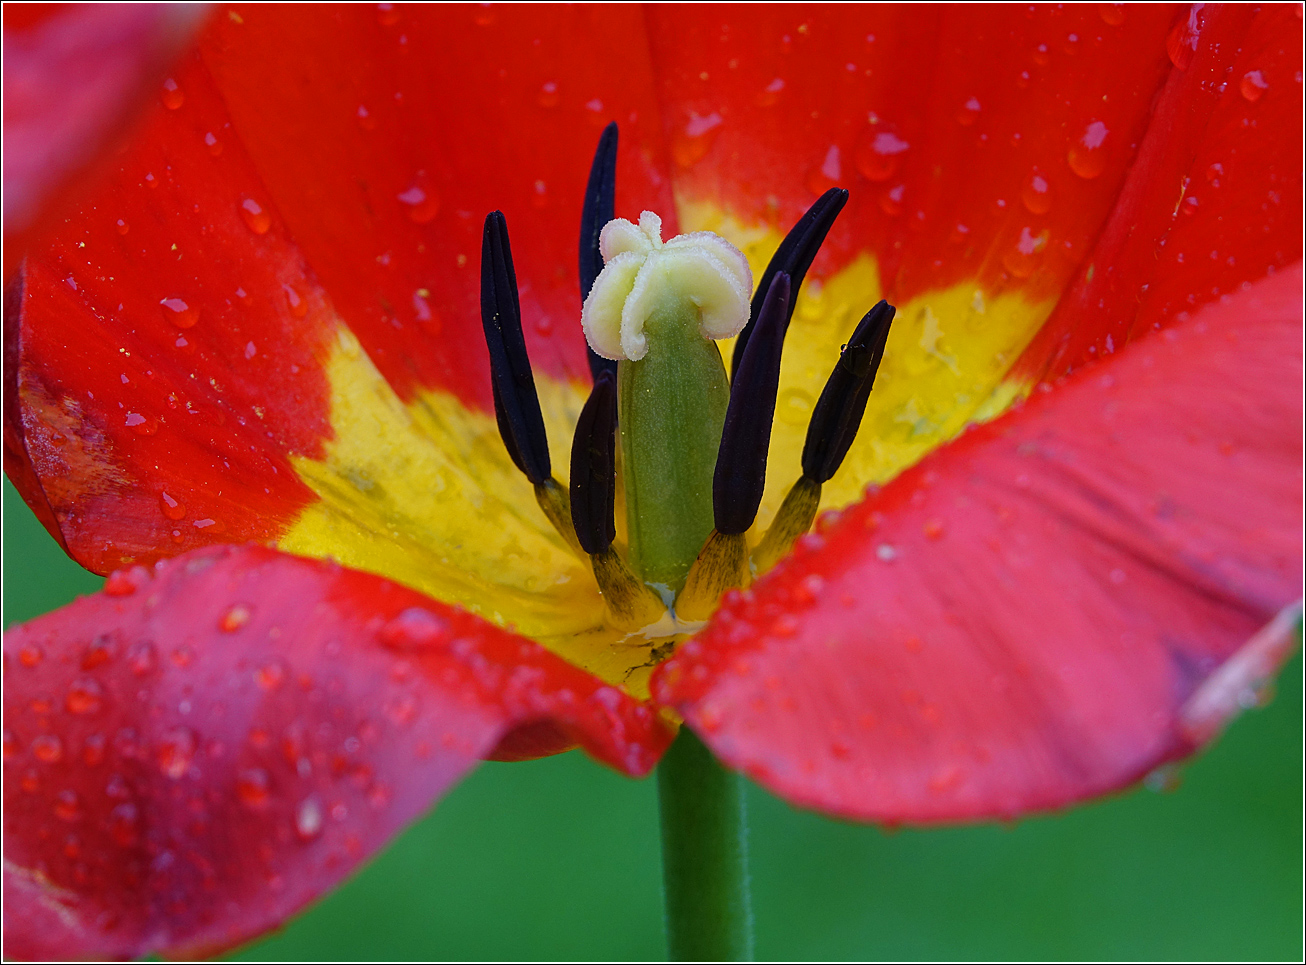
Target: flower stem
704,855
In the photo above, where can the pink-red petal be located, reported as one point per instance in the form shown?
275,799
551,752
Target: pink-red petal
1041,611
193,754
74,78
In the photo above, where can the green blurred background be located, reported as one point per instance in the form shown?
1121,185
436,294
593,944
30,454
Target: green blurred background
558,859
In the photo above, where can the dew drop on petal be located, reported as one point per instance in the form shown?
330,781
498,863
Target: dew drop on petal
420,201
1181,44
179,313
175,752
85,696
235,618
213,144
969,112
29,655
827,174
548,95
1036,194
256,217
122,226
172,508
308,818
123,824
270,676
253,788
770,94
173,95
366,120
296,302
47,748
1112,14
1087,156
690,143
68,806
414,629
93,750
142,658
891,201
1253,85
387,14
879,153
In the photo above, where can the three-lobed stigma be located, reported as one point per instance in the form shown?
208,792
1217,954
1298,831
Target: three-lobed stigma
664,427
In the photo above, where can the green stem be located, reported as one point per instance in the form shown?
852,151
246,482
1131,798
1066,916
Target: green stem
704,855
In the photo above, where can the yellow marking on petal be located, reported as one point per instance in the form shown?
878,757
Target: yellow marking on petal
426,495
945,366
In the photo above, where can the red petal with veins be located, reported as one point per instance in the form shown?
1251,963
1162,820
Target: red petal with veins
1041,611
73,79
1213,201
192,756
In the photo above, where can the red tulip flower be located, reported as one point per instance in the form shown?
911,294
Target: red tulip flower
244,376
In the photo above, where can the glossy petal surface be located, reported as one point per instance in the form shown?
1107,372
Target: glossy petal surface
1041,610
192,755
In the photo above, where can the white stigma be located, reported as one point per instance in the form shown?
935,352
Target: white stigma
641,273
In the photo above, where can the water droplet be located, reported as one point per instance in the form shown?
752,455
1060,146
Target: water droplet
828,174
933,528
1024,257
123,824
93,750
173,95
213,144
171,508
85,696
47,748
414,629
1181,44
690,144
1087,157
10,745
420,200
142,425
891,201
126,581
122,226
366,120
1190,205
770,94
969,112
234,618
548,95
258,220
387,14
1164,780
484,15
68,806
179,313
1035,194
253,788
296,302
271,676
878,154
175,752
1041,55
540,197
1112,13
1253,85
142,658
150,180
308,818
29,655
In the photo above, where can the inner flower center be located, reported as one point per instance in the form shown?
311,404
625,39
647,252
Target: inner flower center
665,431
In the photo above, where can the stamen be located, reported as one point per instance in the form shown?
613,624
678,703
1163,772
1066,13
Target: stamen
838,412
793,257
835,421
593,491
722,564
598,210
516,404
740,474
594,467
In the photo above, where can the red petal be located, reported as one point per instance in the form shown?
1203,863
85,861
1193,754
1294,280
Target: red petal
392,134
936,118
73,78
1213,201
1043,610
191,757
